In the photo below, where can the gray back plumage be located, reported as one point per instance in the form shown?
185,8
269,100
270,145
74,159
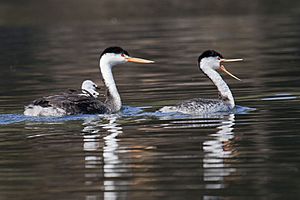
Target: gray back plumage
199,105
73,102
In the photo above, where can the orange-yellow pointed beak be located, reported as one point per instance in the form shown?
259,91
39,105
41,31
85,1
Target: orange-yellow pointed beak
225,70
138,60
231,60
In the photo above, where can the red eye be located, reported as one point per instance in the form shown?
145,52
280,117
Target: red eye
122,55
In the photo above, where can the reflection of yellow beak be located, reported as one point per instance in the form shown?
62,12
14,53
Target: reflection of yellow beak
225,70
138,60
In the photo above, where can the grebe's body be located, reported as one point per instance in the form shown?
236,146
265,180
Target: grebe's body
85,101
209,62
198,106
77,101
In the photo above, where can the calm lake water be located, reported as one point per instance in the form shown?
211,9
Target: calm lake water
139,153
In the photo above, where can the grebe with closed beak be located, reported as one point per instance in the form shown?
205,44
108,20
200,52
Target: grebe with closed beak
74,103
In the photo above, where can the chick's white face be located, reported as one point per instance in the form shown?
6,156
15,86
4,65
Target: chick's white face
91,87
88,85
114,59
211,62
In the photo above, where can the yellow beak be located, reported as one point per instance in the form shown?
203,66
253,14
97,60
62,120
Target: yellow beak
231,60
225,70
138,60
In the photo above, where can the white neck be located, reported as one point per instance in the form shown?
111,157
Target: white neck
223,88
113,99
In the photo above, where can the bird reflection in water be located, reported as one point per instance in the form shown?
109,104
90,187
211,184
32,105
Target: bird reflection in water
110,157
216,150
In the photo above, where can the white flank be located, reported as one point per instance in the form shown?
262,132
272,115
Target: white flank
43,111
167,109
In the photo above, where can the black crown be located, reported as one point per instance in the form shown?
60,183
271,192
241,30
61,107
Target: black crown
116,50
209,53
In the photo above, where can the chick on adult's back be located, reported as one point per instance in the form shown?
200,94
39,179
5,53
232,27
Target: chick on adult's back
71,101
76,103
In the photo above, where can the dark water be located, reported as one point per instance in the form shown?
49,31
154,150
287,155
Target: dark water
139,153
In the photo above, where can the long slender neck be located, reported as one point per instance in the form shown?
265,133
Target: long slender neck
223,88
113,99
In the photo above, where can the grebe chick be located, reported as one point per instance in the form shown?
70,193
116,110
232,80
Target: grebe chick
209,61
90,88
73,103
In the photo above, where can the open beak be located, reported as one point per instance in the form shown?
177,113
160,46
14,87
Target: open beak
225,70
138,60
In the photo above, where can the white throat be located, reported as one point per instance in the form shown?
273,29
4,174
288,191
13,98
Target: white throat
222,87
113,99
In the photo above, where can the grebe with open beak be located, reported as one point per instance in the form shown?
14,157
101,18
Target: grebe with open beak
209,61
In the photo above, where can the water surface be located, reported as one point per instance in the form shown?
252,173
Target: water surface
139,154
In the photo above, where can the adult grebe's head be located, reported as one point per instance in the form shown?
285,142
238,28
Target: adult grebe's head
116,55
214,60
89,87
